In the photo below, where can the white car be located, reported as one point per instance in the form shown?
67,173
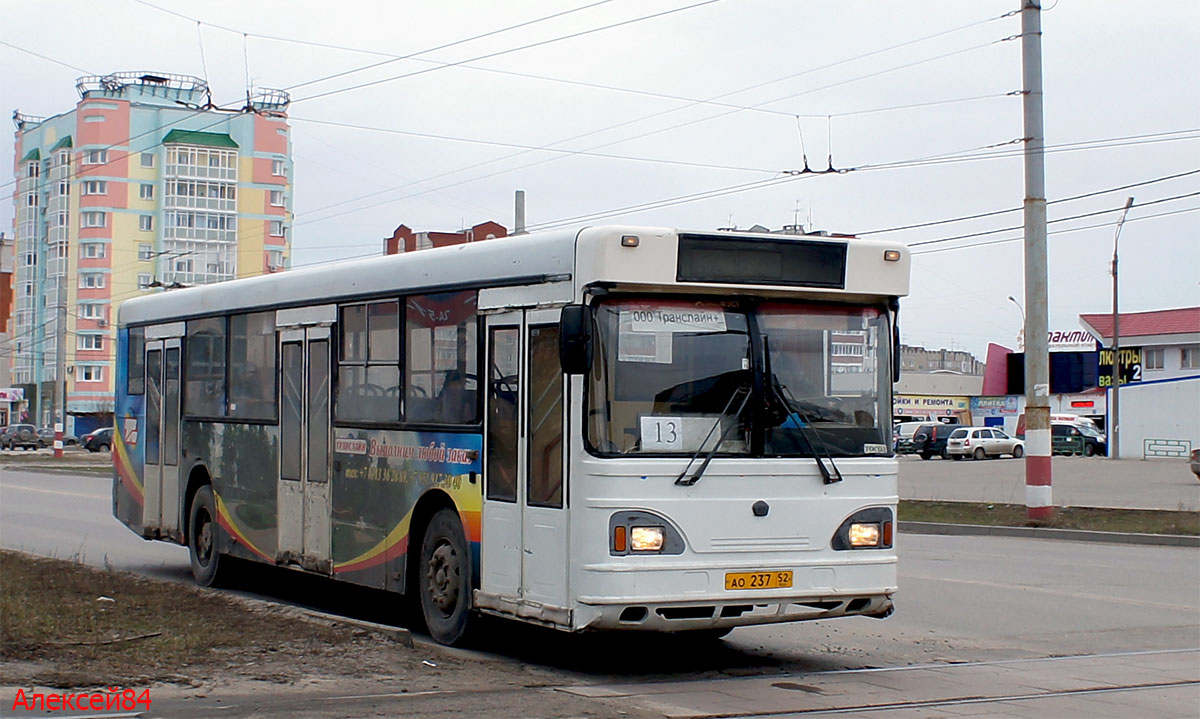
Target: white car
981,443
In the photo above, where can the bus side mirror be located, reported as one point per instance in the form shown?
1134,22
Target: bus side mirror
575,339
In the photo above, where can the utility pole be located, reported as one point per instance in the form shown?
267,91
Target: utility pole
1114,412
1038,498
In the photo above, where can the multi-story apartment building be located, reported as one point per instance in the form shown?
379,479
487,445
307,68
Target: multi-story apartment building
141,187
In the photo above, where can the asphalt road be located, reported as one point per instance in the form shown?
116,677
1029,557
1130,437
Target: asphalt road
963,600
1075,482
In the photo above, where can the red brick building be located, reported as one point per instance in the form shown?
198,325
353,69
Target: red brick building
405,240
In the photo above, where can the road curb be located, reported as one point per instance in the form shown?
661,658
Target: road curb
396,634
1075,535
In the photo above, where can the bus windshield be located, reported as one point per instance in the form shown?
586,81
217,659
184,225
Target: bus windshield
677,377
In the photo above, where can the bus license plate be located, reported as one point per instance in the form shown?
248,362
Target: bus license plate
758,580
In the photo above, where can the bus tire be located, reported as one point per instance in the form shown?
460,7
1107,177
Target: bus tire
203,546
444,578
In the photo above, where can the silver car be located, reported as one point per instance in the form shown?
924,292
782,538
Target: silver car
981,443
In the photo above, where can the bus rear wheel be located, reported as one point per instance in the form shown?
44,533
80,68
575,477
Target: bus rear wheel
444,578
203,547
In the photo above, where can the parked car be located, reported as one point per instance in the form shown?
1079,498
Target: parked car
1093,441
99,441
46,437
930,439
902,433
19,436
1194,462
981,443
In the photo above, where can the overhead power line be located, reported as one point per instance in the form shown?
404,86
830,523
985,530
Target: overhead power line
1080,216
1018,238
964,218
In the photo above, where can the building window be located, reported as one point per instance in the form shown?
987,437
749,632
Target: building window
145,251
146,191
279,168
277,198
274,259
145,223
95,187
89,373
91,250
92,219
33,170
277,228
147,159
1154,358
91,280
144,281
91,312
95,157
90,342
1189,357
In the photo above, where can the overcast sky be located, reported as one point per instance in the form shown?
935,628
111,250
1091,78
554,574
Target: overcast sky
648,103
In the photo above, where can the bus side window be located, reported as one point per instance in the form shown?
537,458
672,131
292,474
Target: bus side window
440,368
204,368
369,364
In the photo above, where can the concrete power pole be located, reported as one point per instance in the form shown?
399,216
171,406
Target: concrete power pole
1038,499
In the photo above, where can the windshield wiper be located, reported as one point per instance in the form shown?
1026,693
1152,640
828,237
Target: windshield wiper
811,437
689,481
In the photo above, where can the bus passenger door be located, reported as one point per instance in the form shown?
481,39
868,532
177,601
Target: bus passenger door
524,547
544,538
303,495
161,469
500,545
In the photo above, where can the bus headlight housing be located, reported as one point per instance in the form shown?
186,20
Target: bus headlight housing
646,539
638,532
870,528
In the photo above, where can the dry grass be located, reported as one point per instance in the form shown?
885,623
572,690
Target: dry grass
67,625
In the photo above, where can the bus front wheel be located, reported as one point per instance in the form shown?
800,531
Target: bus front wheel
202,539
444,578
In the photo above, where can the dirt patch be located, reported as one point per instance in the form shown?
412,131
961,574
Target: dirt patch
71,626
1140,521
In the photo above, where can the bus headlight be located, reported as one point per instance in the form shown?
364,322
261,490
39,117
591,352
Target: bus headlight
646,539
864,535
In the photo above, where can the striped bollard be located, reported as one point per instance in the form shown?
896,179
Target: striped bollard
1038,444
58,440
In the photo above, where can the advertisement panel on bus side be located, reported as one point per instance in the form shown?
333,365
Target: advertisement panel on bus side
378,478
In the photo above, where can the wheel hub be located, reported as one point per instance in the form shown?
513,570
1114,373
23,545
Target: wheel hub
443,576
204,538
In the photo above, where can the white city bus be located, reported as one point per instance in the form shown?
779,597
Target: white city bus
614,428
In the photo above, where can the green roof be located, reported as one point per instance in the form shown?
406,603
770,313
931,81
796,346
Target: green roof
191,137
32,155
65,142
